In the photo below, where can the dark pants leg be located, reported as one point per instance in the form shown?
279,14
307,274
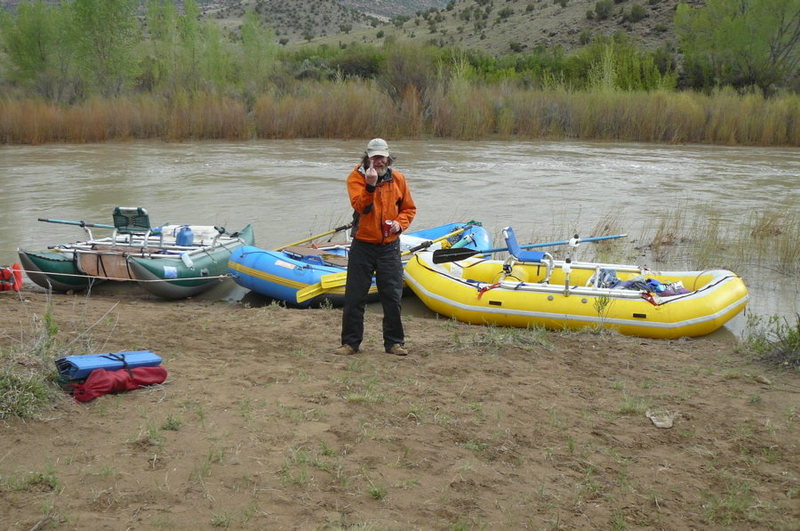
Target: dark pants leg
389,279
366,259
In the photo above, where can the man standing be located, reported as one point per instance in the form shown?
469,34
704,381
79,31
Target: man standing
383,208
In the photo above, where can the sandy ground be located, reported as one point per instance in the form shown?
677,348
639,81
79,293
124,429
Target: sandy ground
259,426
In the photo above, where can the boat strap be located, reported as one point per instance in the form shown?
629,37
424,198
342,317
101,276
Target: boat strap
121,358
484,289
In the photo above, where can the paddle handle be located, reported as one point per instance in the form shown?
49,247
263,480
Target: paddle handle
78,223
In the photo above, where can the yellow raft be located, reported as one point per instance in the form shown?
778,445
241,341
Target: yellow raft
510,293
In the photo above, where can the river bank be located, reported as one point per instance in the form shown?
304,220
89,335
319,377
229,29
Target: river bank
362,109
259,426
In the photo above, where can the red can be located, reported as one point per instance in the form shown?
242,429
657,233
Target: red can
387,227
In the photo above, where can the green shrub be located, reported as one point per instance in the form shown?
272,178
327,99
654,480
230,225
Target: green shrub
603,9
636,13
774,340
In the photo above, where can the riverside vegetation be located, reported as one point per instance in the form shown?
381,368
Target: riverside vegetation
87,71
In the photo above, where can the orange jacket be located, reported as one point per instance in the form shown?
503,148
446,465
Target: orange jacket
389,200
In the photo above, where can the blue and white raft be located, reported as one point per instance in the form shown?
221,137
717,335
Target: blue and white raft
280,274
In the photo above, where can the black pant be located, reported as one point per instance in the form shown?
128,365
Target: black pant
384,261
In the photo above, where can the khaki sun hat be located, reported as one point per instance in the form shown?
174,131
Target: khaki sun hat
377,146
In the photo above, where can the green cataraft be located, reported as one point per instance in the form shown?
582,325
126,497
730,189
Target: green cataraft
191,272
171,261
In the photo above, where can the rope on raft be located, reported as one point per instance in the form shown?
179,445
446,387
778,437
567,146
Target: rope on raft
120,279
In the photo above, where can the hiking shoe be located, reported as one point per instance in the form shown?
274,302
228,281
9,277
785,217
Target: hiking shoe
397,350
345,350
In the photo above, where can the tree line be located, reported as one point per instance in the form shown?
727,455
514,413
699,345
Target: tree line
78,49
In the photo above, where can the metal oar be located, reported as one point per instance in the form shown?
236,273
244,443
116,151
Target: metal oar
78,223
321,235
454,255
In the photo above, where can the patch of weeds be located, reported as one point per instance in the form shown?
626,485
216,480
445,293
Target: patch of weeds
632,405
770,454
215,455
378,492
476,446
460,525
162,522
326,450
245,407
147,436
297,415
295,470
300,375
733,374
221,520
555,418
416,413
618,520
24,393
371,432
755,399
646,384
355,365
368,392
477,408
196,408
299,477
46,481
733,506
571,445
172,423
774,340
27,374
250,512
527,339
601,305
299,353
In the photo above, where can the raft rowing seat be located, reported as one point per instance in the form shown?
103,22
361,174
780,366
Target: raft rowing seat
133,221
518,254
313,255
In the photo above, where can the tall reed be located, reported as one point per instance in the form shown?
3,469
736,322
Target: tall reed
339,109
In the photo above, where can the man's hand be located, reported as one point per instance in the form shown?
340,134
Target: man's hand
372,175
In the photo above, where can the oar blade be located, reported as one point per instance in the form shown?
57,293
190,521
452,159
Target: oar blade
309,292
333,280
441,256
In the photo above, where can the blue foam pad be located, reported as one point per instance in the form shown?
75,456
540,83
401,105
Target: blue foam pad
79,367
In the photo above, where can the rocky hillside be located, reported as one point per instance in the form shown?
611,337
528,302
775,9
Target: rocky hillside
501,27
300,21
496,26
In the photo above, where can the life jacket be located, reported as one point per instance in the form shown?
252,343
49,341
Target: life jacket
11,277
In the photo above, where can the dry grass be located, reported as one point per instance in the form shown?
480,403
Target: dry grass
463,110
